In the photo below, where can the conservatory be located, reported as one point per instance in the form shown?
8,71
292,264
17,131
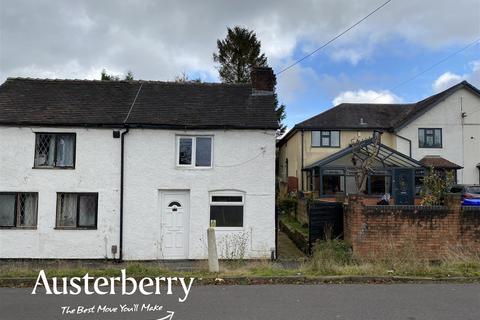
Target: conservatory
367,168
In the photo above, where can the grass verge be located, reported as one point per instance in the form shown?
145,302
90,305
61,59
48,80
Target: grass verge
334,257
330,258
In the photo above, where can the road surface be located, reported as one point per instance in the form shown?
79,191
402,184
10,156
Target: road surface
338,302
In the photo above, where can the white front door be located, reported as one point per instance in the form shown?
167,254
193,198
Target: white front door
175,224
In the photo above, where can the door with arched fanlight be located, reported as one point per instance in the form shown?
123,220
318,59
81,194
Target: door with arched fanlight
175,225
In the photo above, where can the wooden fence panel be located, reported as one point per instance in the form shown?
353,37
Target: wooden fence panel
325,221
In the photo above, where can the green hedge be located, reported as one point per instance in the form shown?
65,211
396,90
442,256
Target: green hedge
288,206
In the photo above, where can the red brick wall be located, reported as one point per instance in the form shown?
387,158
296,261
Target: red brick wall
292,184
431,232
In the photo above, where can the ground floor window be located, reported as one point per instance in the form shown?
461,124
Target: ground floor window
313,180
333,181
419,174
380,184
227,208
18,209
77,210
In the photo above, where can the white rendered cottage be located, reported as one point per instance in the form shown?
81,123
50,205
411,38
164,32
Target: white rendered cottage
136,169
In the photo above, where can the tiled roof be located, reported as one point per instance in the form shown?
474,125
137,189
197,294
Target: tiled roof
439,162
358,116
374,115
25,101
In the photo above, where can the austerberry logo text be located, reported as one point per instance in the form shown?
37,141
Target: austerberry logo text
123,285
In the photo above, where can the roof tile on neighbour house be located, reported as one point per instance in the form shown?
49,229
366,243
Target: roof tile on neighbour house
368,116
43,102
439,162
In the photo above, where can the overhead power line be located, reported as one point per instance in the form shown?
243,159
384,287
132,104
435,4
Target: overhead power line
334,38
429,68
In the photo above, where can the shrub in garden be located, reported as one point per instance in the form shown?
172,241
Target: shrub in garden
434,187
288,206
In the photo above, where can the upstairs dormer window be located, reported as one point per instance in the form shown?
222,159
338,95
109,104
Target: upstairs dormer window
326,138
429,138
194,151
54,150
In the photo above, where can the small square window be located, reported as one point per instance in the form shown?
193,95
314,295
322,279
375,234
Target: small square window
77,210
54,150
194,152
327,138
430,138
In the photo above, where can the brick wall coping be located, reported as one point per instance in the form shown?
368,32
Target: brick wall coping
471,208
407,207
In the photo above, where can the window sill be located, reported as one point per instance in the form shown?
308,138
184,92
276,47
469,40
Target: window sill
229,228
18,228
332,195
430,147
329,147
54,168
193,168
75,228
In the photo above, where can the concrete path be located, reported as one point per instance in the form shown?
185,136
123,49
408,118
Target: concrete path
287,250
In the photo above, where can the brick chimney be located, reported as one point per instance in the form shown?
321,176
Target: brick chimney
263,80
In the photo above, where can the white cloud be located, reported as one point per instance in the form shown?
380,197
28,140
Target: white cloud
474,76
297,82
475,65
449,79
351,55
445,81
160,39
366,96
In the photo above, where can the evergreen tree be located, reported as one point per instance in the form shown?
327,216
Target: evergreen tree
237,54
104,76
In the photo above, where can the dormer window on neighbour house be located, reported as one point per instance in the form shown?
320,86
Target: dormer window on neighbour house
326,138
54,150
194,151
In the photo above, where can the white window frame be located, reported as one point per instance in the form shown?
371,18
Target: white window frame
194,152
227,193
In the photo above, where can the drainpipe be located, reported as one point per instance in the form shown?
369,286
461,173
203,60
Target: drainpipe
462,117
122,164
122,169
301,171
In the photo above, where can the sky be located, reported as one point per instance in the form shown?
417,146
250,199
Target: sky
160,40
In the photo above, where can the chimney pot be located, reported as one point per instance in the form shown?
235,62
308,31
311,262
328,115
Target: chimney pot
263,80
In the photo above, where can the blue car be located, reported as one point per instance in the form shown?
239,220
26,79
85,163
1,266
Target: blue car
470,194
